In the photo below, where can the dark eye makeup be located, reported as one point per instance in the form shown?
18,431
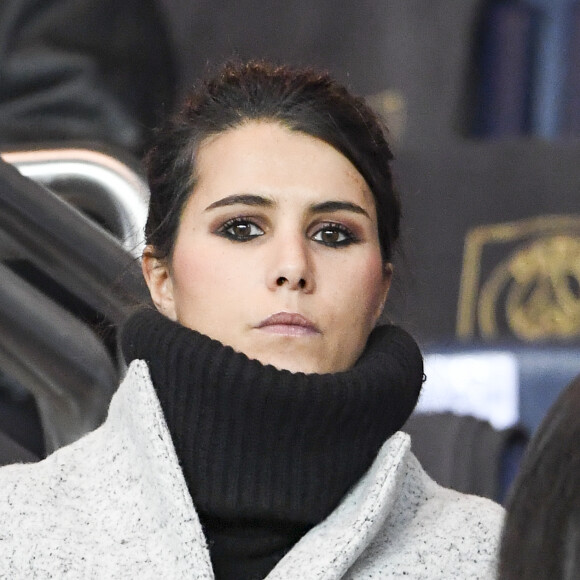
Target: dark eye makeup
240,229
334,235
330,234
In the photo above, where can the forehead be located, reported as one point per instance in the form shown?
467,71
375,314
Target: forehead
266,158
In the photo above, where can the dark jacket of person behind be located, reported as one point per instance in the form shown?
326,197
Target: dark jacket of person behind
83,70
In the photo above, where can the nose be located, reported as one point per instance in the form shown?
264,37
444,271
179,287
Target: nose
291,265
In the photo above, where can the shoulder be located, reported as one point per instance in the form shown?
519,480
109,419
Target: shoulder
46,502
79,469
442,507
434,532
115,498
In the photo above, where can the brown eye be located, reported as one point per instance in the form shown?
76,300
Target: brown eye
240,230
330,236
334,236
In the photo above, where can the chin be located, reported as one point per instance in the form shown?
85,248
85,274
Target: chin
295,364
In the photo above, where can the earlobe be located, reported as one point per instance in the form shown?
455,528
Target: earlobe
158,279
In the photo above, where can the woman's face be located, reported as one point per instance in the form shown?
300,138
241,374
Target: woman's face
277,252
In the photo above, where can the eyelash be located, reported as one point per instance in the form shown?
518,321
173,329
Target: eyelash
348,236
223,230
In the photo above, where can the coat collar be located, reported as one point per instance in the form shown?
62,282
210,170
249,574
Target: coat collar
333,544
338,540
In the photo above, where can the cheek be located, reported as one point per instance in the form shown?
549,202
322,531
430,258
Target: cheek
205,280
192,275
359,288
370,284
380,282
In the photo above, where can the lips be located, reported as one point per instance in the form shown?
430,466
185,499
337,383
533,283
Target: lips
288,323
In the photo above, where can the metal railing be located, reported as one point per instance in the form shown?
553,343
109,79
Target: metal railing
48,350
95,182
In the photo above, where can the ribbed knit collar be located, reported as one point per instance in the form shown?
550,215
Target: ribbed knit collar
261,444
255,441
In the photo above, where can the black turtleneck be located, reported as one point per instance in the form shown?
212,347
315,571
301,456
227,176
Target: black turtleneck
267,453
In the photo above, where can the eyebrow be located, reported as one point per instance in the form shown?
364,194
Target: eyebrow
332,206
260,201
243,199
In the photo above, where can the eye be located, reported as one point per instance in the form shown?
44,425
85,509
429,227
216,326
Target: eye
334,236
240,230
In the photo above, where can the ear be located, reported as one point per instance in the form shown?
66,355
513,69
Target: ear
386,283
158,278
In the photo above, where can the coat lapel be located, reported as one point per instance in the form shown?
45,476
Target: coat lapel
136,409
332,547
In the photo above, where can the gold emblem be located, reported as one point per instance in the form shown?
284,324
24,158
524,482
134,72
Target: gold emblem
522,279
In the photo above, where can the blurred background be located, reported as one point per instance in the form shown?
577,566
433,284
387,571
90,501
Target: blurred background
482,103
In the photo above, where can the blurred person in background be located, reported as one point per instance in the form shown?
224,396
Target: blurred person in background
541,535
97,71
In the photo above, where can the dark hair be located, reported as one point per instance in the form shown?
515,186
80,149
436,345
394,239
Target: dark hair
300,99
541,535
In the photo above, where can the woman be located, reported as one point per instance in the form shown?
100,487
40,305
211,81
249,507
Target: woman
256,432
541,536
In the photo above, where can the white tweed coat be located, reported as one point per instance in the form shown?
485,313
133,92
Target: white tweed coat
115,505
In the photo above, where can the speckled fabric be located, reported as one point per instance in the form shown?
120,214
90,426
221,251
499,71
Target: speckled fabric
115,505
